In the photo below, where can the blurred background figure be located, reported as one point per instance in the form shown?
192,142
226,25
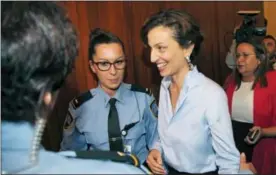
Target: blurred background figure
252,104
270,44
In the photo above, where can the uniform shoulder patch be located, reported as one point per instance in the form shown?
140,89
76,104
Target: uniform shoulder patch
78,101
138,88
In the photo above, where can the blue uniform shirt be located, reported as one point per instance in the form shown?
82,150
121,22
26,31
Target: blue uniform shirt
16,145
197,136
88,116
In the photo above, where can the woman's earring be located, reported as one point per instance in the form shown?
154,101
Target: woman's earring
191,66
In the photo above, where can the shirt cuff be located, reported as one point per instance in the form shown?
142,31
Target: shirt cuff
157,146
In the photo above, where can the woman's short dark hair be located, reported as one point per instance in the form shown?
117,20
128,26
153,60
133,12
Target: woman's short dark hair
38,48
186,29
261,70
100,36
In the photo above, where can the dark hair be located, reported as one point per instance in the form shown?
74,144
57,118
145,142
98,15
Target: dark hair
186,30
260,72
270,37
39,45
100,36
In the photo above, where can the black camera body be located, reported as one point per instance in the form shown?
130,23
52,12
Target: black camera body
248,28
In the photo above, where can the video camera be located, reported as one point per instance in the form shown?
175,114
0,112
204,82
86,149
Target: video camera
248,28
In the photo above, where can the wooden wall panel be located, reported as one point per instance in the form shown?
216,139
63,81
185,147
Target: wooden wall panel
206,57
71,7
270,13
113,16
145,73
84,30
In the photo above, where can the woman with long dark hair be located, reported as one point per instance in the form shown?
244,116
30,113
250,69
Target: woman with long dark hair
251,92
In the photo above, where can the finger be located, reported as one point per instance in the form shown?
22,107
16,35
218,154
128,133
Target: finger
155,169
155,166
252,168
159,160
158,172
242,158
259,134
254,128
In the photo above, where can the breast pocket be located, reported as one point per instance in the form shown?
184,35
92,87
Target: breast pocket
135,139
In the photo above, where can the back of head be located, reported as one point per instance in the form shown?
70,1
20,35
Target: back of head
186,29
100,36
39,45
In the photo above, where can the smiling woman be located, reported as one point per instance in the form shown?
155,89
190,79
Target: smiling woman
193,120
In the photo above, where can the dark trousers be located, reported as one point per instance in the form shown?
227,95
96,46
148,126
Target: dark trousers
174,171
240,131
146,165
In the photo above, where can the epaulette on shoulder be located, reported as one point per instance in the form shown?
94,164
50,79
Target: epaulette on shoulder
138,88
78,101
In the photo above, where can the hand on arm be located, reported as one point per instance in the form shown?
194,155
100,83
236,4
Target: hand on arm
245,166
155,162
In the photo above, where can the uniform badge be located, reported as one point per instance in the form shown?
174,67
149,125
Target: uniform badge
69,121
154,108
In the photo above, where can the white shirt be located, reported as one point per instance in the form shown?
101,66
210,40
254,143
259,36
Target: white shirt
242,103
198,136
